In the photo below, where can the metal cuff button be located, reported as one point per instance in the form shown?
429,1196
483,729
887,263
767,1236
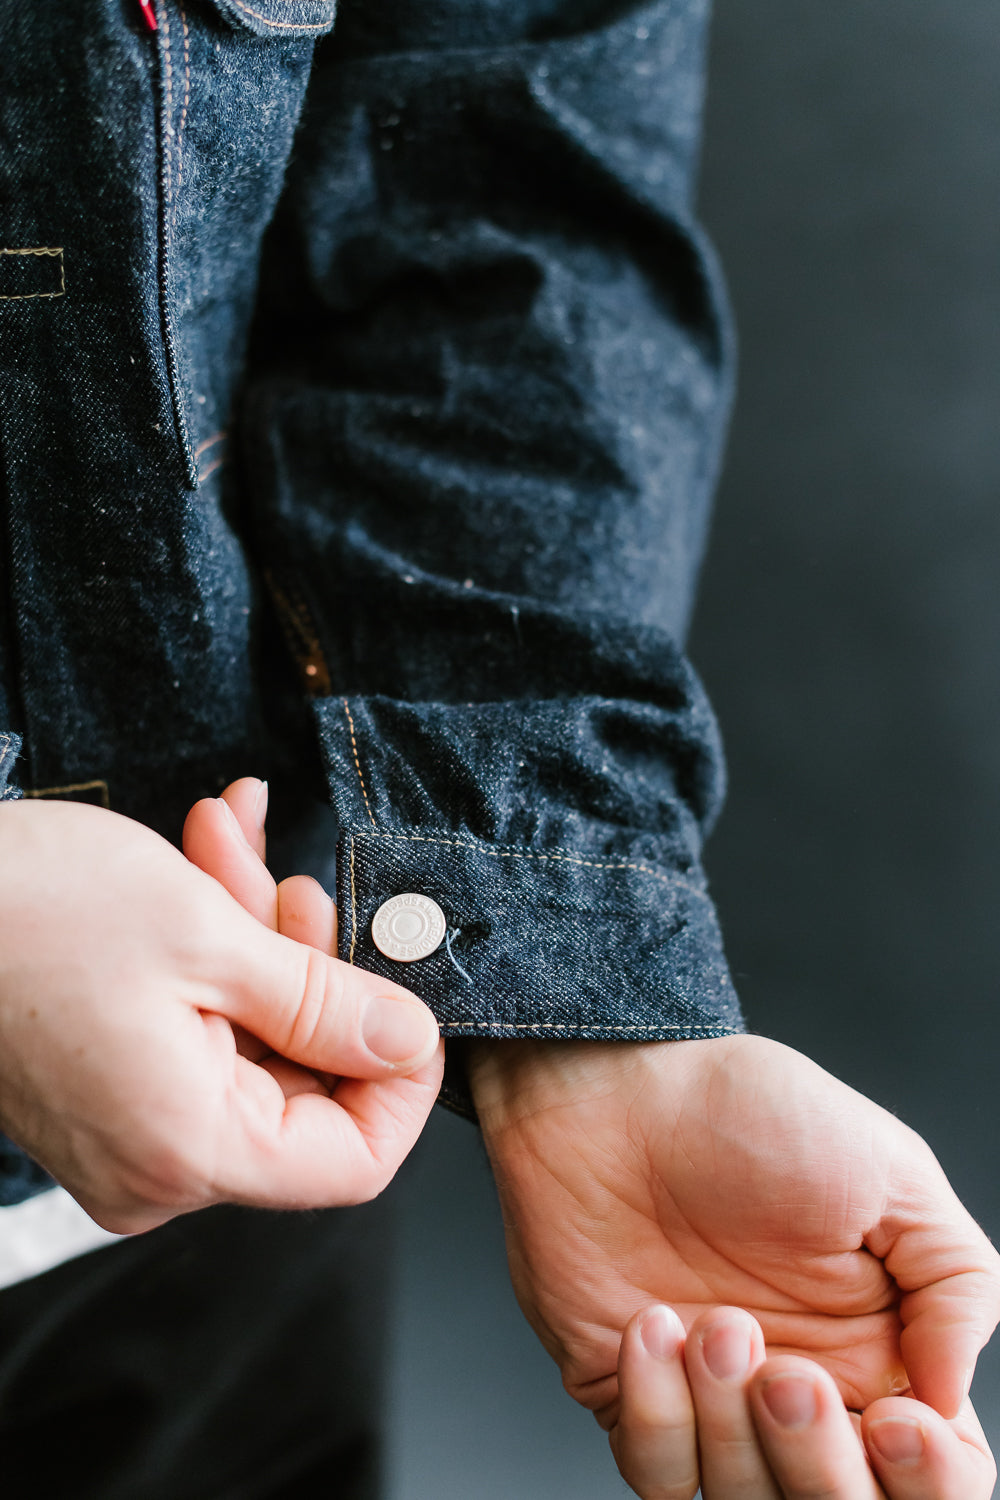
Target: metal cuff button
408,927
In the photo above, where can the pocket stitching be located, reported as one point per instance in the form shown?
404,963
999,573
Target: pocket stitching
53,251
279,25
171,144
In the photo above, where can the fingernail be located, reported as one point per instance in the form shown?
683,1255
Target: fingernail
662,1332
233,820
727,1349
791,1400
899,1440
395,1030
260,807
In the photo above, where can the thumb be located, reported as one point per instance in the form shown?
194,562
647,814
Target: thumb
949,1275
325,1014
946,1327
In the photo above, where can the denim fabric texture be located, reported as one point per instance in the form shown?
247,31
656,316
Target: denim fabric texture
363,383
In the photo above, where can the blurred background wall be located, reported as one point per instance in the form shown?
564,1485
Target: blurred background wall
849,633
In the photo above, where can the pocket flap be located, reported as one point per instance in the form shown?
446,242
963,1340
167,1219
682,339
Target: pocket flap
280,18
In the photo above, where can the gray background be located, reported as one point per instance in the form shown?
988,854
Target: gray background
849,631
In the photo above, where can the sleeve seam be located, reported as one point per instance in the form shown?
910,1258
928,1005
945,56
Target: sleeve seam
357,761
497,851
558,856
503,1027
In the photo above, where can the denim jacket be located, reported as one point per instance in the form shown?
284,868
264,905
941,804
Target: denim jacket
393,335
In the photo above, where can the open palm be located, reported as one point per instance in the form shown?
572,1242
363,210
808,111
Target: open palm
737,1172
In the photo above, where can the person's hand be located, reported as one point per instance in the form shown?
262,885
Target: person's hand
161,1050
713,1409
226,837
734,1172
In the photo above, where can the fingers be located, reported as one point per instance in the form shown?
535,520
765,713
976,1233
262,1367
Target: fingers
295,1138
307,914
248,800
654,1440
807,1435
311,1150
215,841
311,1008
774,1429
919,1456
947,1325
949,1274
724,1348
322,1013
224,836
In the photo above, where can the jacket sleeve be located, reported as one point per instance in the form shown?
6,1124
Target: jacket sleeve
486,401
10,745
20,1177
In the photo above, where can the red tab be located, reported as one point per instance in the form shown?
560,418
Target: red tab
146,7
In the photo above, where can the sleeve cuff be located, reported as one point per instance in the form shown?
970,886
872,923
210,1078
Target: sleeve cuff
541,942
10,748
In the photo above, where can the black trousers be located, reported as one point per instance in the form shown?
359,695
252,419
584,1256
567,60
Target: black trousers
231,1355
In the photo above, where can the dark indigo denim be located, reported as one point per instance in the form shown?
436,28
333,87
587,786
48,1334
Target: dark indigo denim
401,339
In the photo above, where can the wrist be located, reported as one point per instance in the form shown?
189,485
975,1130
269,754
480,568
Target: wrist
507,1074
512,1080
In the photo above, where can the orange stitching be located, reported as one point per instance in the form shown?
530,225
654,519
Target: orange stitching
533,1026
35,250
357,763
168,66
74,786
50,250
354,909
568,859
300,636
557,855
209,442
278,25
187,92
216,463
297,612
691,1031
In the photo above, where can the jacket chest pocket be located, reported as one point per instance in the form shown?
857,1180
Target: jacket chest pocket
276,18
232,80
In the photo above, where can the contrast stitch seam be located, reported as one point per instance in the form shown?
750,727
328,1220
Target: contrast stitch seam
296,610
34,250
568,859
209,442
166,138
300,636
354,909
168,66
577,1030
357,766
50,250
74,786
216,463
187,93
299,611
279,25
